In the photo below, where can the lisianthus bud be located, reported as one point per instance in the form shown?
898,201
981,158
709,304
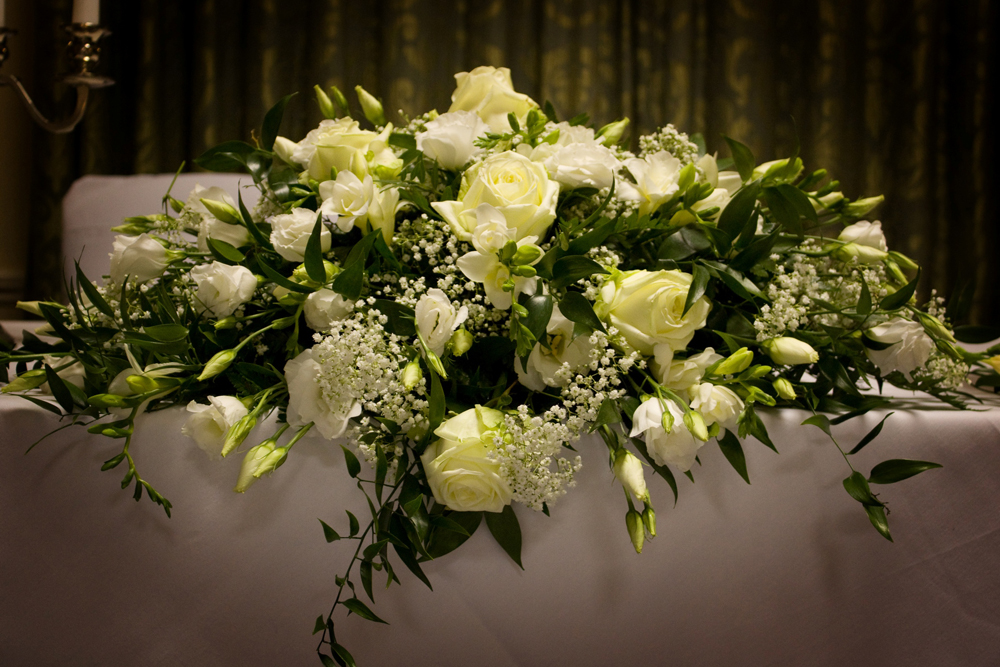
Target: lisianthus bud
895,271
141,384
628,471
864,254
785,389
225,323
238,432
217,364
222,211
904,262
461,341
371,107
324,102
858,208
434,362
736,363
612,133
339,98
251,462
412,374
993,362
528,253
271,462
636,531
649,519
284,148
696,425
666,421
790,351
935,327
827,200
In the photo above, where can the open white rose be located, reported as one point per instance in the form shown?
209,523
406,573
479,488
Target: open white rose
909,348
346,199
208,424
212,227
309,402
459,470
490,92
290,233
656,181
648,306
678,447
552,365
517,187
141,258
223,288
680,374
450,139
324,307
437,318
716,404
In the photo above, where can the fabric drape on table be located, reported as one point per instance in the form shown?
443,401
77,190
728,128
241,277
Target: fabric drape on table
894,97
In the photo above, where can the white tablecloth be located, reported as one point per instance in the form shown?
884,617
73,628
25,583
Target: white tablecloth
786,571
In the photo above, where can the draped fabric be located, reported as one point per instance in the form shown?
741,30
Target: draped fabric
894,97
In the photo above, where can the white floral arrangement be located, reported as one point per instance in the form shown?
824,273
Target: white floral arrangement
460,299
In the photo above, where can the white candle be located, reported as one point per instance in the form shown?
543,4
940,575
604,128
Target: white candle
86,11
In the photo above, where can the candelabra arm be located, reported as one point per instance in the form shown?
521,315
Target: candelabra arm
62,127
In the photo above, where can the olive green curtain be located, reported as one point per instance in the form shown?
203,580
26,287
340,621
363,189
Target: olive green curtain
894,97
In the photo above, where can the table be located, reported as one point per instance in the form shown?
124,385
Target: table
785,571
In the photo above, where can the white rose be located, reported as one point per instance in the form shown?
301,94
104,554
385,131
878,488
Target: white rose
909,348
290,233
450,138
716,404
865,233
517,187
581,165
308,402
490,92
223,288
324,307
680,374
458,467
208,424
345,199
340,145
656,181
678,447
437,319
212,227
553,365
647,307
141,258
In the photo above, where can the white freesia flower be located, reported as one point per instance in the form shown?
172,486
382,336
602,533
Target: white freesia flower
290,233
208,424
648,306
909,348
450,138
680,374
212,227
491,233
223,288
437,318
346,199
678,447
628,471
382,212
486,268
726,184
462,475
324,307
141,258
562,351
517,187
656,180
490,92
717,404
307,402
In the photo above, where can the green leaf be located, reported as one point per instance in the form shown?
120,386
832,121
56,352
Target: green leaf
92,292
404,141
251,226
607,414
568,270
329,533
381,468
279,279
688,241
314,253
227,156
366,578
798,199
224,252
58,388
167,333
349,282
896,470
857,486
272,123
437,404
876,514
821,422
740,209
361,609
699,284
507,532
742,157
353,525
784,211
865,300
327,660
45,405
444,539
410,561
871,435
576,308
733,450
539,309
353,465
343,654
401,318
900,298
320,624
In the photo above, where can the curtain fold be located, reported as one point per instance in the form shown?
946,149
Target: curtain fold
893,97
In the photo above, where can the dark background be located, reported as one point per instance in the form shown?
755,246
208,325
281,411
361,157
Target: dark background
894,97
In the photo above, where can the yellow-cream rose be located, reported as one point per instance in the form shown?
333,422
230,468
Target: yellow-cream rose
517,187
490,92
459,471
341,145
648,306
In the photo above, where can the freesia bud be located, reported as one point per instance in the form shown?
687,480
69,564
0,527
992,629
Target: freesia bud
324,102
827,200
222,211
412,374
790,351
858,208
737,362
649,519
371,107
30,307
636,531
785,389
612,133
461,341
251,462
217,364
628,471
696,425
31,380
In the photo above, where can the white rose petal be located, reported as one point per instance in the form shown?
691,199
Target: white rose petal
716,404
490,93
581,165
324,307
346,199
866,234
656,180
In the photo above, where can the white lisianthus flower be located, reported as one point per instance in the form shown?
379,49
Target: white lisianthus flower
676,447
290,233
656,181
680,374
790,351
437,318
212,227
865,233
459,470
208,424
141,258
382,212
450,139
582,165
563,351
909,346
517,187
717,404
648,306
222,288
346,199
628,471
324,307
307,402
490,92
